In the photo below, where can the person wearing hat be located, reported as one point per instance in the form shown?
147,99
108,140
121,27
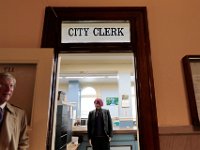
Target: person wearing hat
13,123
99,127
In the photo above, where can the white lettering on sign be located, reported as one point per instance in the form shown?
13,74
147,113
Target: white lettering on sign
83,32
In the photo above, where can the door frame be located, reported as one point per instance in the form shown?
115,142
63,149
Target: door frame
139,45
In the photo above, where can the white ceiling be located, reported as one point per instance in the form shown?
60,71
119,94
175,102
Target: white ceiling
96,58
86,75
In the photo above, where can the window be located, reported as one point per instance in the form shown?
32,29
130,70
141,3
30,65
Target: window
88,95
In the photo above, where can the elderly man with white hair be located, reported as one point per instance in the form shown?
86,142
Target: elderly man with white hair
13,123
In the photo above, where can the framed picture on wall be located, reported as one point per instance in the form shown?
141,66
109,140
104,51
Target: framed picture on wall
191,66
112,101
125,101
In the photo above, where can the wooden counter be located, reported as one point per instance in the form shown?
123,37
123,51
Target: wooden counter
79,130
123,138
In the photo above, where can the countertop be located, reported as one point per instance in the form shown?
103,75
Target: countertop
77,130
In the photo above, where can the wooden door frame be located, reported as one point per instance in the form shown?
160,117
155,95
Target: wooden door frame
139,45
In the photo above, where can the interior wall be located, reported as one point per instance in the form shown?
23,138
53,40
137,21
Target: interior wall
97,86
174,33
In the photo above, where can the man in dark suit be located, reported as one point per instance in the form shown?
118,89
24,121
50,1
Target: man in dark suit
13,123
99,127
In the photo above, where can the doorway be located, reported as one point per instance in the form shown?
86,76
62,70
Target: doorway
111,77
138,43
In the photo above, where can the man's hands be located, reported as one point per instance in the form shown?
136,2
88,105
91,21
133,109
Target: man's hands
109,139
90,142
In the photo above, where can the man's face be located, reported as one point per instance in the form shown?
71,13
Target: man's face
6,89
97,105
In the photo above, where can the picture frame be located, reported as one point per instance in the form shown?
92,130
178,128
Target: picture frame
191,68
112,101
125,101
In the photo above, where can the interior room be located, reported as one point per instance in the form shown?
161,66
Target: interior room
84,77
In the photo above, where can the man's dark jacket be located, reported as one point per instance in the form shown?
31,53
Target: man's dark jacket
106,120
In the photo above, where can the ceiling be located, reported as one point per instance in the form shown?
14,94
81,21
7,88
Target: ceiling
78,66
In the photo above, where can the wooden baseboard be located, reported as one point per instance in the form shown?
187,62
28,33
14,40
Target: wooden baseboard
179,138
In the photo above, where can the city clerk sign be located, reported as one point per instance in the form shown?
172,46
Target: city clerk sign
95,32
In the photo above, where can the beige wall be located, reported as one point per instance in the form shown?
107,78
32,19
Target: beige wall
97,86
174,32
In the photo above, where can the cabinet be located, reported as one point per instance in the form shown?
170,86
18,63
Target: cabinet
63,126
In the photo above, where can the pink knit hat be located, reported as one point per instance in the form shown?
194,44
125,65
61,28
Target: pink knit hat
98,101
